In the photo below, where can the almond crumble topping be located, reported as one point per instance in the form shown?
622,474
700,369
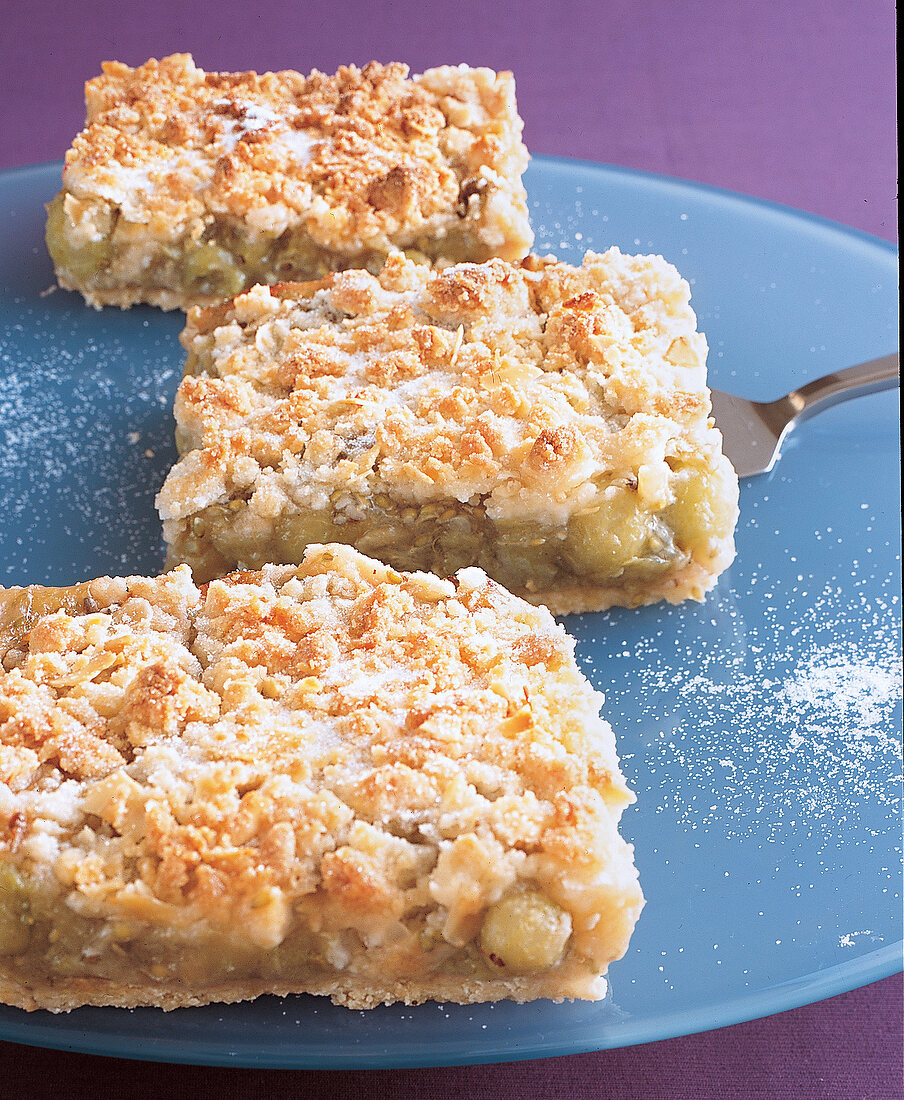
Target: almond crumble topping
332,778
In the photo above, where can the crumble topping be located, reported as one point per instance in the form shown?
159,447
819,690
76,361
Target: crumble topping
514,385
376,756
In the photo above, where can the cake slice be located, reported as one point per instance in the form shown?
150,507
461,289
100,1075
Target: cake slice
330,778
546,422
187,186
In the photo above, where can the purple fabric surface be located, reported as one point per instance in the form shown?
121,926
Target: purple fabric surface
791,102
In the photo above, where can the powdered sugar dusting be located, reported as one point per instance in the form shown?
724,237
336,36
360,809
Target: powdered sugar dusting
761,732
766,734
859,693
85,434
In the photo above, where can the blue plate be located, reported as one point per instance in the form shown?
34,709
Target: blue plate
760,729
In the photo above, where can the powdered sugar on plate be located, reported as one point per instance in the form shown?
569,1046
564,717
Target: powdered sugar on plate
768,728
86,435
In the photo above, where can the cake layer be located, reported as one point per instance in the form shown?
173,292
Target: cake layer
187,186
545,422
333,778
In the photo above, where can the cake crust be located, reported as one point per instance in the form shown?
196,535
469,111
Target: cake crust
332,778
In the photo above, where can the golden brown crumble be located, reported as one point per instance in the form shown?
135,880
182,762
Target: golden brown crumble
331,778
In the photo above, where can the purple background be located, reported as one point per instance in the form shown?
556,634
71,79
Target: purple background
793,102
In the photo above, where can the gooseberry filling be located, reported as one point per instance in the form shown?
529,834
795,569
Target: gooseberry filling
525,933
618,541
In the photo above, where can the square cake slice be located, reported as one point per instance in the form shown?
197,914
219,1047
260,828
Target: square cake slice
546,422
188,186
330,778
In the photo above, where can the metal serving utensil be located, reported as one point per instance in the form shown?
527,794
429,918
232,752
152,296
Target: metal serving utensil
753,431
